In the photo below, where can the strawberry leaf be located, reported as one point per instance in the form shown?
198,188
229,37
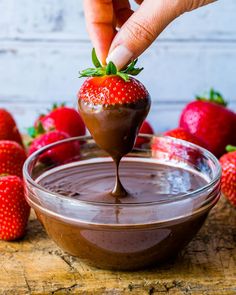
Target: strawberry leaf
130,66
91,72
135,72
95,59
131,70
111,69
32,132
40,129
54,106
212,96
230,148
123,76
36,131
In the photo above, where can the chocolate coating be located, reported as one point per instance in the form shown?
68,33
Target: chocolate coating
114,129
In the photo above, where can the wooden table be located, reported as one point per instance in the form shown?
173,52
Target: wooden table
207,265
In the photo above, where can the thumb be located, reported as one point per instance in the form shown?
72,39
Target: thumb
141,29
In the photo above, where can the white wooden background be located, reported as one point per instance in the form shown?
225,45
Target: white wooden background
43,45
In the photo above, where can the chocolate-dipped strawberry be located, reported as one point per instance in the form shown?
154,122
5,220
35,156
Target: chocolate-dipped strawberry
113,106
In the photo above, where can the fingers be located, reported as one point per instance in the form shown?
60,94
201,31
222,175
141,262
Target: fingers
138,30
193,4
99,16
122,11
144,26
141,29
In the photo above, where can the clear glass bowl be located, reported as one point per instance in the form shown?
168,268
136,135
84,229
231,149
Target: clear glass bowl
145,233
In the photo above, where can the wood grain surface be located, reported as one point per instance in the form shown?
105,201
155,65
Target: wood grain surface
207,265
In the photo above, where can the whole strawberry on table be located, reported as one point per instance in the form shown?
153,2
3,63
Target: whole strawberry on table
12,158
62,118
14,210
56,155
183,134
228,183
209,119
8,127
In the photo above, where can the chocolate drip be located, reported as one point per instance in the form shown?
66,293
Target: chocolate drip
119,190
115,128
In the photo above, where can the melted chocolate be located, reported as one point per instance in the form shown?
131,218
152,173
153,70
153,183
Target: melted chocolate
124,243
114,129
145,181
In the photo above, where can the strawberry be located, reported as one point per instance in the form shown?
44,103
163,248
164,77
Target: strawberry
176,150
63,119
146,128
228,180
113,105
184,135
12,158
210,121
14,210
112,90
59,154
8,128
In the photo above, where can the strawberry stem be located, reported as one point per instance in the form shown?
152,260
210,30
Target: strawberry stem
110,69
212,96
230,148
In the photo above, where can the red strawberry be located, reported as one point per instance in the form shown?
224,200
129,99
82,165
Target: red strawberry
174,149
113,106
228,180
12,158
184,135
63,119
112,90
8,128
210,121
59,154
146,128
14,210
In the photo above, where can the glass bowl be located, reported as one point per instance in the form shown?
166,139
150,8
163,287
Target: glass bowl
122,235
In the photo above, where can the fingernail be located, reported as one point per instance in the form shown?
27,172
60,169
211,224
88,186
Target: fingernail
120,56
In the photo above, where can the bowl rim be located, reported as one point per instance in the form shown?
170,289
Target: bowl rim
29,180
160,223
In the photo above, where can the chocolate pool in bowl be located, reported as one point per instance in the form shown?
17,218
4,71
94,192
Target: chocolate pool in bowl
171,185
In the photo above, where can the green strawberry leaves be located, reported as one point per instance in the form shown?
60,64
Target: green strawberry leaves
36,131
93,72
131,70
95,60
57,106
123,76
230,148
110,69
213,96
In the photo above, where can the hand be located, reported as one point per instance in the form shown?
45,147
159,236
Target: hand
137,29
